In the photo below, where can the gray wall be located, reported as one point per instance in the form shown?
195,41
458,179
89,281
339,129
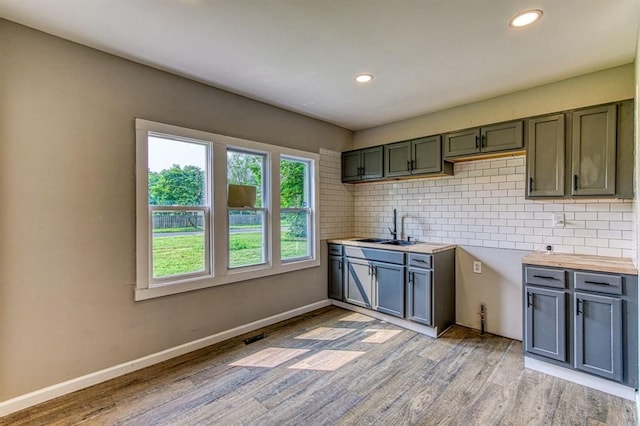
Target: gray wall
67,222
498,287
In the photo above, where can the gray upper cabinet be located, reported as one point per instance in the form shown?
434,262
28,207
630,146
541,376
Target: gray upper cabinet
545,156
598,331
462,143
351,166
427,155
501,137
397,159
592,155
419,156
488,139
363,164
593,151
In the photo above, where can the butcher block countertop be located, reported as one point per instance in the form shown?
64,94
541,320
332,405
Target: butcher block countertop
620,265
425,248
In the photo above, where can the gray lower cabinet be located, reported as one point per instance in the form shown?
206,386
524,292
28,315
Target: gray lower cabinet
582,320
362,164
419,156
359,282
336,281
374,284
598,336
389,288
418,287
419,295
415,286
488,139
545,323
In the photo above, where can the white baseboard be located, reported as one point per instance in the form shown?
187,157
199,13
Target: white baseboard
45,394
583,379
409,325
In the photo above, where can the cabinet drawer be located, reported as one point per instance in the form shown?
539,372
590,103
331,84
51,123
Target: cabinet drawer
419,260
335,250
601,283
375,255
545,276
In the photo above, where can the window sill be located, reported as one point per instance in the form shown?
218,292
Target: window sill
231,277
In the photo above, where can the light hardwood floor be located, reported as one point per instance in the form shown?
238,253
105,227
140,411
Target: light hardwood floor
336,367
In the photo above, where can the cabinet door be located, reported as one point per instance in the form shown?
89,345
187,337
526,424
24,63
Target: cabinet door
335,278
545,323
397,159
462,143
359,285
502,137
593,150
389,281
598,335
427,155
351,166
545,156
419,295
372,164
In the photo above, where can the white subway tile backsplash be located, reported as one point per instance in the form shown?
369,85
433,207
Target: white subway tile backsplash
483,204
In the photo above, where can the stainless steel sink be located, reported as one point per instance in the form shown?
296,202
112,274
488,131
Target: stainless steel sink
399,243
387,241
374,240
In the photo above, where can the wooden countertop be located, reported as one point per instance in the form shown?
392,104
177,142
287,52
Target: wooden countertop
620,265
426,248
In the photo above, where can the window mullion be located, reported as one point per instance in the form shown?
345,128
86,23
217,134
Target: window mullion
274,205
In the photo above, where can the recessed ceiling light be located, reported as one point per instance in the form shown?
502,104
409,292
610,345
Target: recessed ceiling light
364,78
523,19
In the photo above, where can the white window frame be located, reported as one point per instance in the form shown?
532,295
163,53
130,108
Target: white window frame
219,272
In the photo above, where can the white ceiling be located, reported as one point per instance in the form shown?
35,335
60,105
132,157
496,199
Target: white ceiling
302,55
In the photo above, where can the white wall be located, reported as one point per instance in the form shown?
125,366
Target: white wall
336,199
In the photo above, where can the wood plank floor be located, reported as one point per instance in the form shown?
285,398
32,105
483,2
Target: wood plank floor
336,367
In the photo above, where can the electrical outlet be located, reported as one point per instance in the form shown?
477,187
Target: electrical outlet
558,220
477,267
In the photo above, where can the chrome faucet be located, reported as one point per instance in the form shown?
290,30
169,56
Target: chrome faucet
394,231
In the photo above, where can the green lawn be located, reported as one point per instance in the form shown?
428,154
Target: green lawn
184,254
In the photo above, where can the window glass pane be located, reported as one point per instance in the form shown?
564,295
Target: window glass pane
176,172
246,238
178,243
294,237
294,183
246,169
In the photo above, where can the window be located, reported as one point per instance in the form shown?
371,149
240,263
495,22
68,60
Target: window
179,208
247,208
295,211
214,210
